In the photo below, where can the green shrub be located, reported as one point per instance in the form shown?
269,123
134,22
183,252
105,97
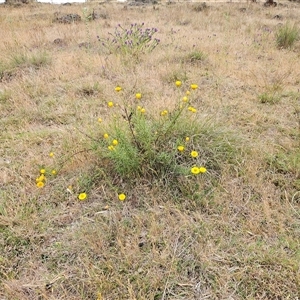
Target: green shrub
286,36
175,148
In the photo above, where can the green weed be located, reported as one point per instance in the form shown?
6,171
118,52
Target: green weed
287,35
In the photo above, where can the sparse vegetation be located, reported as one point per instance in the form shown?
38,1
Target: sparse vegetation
141,169
287,35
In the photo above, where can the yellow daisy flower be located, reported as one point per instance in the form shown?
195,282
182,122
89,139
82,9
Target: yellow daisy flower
195,170
40,184
82,196
202,170
180,148
118,88
122,197
138,96
194,154
178,83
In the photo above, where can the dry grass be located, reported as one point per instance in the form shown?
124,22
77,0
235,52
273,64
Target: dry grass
240,240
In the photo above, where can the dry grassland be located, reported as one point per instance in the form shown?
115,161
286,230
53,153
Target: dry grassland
239,239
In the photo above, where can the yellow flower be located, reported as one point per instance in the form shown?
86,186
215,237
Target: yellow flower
122,197
194,86
194,153
192,109
42,171
143,110
139,108
185,99
51,154
188,93
164,113
82,196
202,170
118,88
99,120
138,96
110,104
53,172
105,135
195,170
115,142
187,139
178,83
180,148
40,184
111,148
41,178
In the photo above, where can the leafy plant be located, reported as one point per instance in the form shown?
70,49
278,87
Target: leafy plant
270,97
174,147
196,56
287,35
131,41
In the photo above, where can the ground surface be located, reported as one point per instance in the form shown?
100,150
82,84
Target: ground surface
240,240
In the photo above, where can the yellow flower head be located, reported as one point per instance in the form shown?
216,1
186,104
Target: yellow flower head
187,139
194,86
164,113
188,93
105,135
51,154
118,88
40,184
99,120
139,108
42,171
41,178
180,148
194,153
115,142
195,170
202,170
110,104
192,109
143,110
111,148
82,196
53,172
178,83
185,99
122,197
138,96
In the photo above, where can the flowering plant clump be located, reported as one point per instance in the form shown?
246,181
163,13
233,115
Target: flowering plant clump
153,146
133,40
